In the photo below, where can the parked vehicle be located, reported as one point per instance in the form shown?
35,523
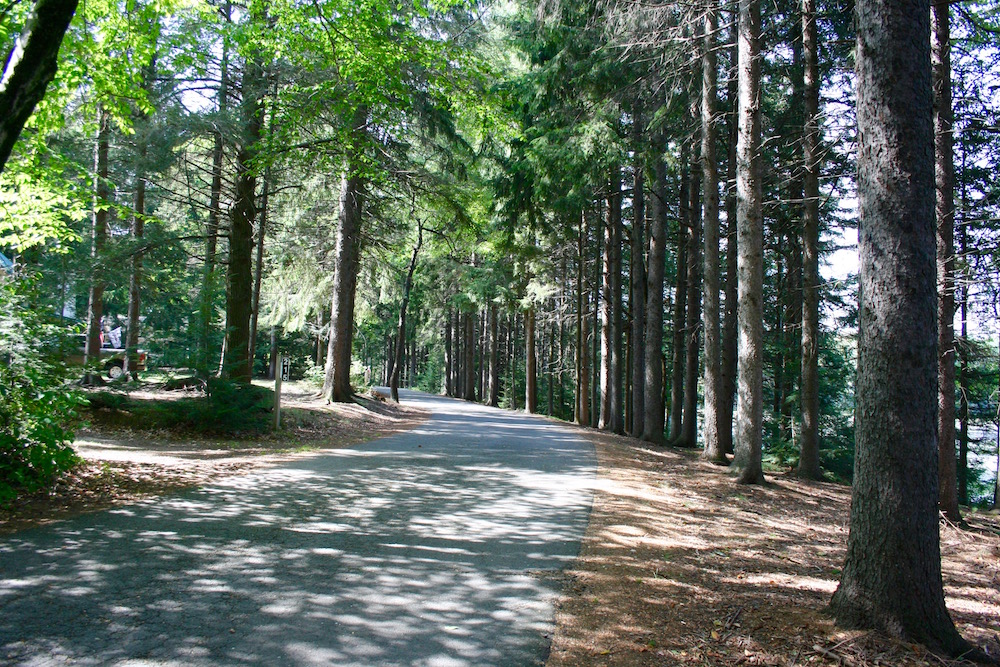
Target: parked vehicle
112,358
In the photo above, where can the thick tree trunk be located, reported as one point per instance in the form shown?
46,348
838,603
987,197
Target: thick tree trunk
689,425
729,325
750,244
102,196
677,356
713,450
944,181
637,278
30,67
891,580
337,383
809,467
239,280
653,391
401,328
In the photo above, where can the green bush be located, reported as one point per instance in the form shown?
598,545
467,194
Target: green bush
37,406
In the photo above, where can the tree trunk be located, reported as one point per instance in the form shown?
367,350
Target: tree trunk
258,270
637,276
689,424
401,328
944,181
337,383
239,281
618,338
208,286
530,363
494,383
597,341
963,386
809,467
582,368
31,65
469,357
272,365
891,580
653,391
750,244
102,196
680,303
729,325
449,389
713,450
607,324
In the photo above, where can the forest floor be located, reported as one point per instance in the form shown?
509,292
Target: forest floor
124,463
680,566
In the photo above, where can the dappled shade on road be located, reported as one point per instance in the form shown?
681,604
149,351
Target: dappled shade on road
441,546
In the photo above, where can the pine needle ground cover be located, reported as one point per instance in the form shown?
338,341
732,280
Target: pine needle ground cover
682,566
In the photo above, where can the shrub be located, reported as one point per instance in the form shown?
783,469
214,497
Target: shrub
37,406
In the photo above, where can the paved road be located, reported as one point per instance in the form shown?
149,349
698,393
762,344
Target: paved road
437,547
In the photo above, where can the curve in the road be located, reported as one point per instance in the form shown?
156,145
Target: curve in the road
434,547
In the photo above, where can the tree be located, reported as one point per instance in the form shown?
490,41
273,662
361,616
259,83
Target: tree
750,246
891,580
653,421
808,467
713,450
401,328
944,188
31,65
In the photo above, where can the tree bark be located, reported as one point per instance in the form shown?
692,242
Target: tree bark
449,389
713,450
582,351
637,278
618,335
469,357
729,326
944,182
258,269
750,243
653,376
530,363
401,328
102,196
337,383
809,467
680,303
239,280
494,382
689,424
30,67
891,580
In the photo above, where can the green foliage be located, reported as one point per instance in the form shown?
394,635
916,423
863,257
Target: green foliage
37,408
226,409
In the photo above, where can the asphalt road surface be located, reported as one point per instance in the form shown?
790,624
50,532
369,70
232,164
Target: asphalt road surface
437,547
